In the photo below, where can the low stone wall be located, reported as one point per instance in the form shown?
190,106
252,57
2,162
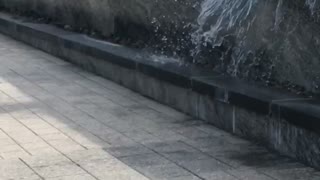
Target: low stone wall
282,121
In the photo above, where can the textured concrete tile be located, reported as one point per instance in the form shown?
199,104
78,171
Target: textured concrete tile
14,154
63,169
10,148
66,145
88,155
25,138
13,127
46,131
43,161
127,174
253,159
142,136
249,174
117,139
165,171
192,177
54,136
74,177
181,156
45,151
294,173
218,175
165,147
3,135
103,165
15,169
204,166
6,141
211,144
145,160
165,133
192,132
122,151
35,123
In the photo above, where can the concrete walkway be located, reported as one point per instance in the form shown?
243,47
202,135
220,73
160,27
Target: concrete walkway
59,122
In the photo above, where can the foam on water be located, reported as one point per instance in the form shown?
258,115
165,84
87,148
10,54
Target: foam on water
239,20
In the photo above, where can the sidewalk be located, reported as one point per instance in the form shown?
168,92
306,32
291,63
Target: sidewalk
59,122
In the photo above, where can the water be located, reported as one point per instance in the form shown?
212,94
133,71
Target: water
252,37
313,6
219,19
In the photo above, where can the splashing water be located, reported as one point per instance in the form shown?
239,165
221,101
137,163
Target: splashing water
256,32
224,15
219,19
312,4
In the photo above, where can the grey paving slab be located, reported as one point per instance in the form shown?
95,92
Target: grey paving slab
204,166
182,155
90,154
16,169
294,173
63,169
166,171
74,177
129,150
59,122
218,175
43,161
170,146
145,160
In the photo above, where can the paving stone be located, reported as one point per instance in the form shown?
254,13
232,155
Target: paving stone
122,151
165,171
14,154
55,136
103,165
63,169
23,139
44,161
165,147
218,175
3,135
66,145
165,134
88,155
192,132
6,141
45,151
253,159
180,156
204,166
192,177
46,131
15,169
142,136
294,173
10,148
145,160
117,139
74,177
248,174
128,174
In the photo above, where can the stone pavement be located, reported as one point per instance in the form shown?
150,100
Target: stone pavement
58,122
